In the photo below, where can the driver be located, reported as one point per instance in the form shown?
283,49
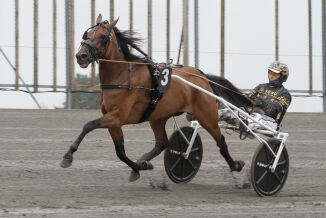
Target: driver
272,100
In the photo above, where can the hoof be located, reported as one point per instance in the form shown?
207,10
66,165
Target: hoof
238,165
146,165
65,163
134,176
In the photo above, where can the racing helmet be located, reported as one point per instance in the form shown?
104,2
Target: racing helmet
281,68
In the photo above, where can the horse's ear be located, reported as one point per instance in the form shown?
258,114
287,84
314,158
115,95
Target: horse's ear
99,19
113,23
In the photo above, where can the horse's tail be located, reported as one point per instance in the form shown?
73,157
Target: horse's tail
229,92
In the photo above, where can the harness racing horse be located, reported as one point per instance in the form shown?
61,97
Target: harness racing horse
121,105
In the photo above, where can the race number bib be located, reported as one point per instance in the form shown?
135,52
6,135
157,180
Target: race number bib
164,79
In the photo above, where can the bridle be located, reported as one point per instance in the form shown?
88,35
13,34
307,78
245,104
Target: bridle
93,53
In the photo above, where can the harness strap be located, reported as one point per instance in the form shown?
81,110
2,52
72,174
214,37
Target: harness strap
104,86
129,86
149,110
130,75
155,95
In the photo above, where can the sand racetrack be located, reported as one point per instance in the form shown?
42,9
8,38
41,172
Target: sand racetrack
32,184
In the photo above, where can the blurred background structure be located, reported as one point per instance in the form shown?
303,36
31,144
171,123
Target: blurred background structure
233,39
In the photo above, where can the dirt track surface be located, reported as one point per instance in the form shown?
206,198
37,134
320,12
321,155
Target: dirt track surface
32,184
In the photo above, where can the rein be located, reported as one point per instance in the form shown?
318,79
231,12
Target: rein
181,71
94,55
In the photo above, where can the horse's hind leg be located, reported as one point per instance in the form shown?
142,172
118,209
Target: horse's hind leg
161,139
234,165
117,137
208,118
161,142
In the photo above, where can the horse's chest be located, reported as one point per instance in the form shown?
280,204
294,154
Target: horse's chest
113,97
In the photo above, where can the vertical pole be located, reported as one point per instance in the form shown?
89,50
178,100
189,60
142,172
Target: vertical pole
222,36
167,30
131,16
310,47
35,45
68,65
185,33
93,23
196,35
149,27
72,44
180,46
54,45
276,31
111,10
17,44
324,51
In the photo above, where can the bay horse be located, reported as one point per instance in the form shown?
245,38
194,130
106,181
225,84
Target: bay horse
122,106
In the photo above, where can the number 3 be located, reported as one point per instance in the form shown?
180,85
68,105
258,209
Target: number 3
165,73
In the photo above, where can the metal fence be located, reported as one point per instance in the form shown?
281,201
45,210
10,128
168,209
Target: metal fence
69,6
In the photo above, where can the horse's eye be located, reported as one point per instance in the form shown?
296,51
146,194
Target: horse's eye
103,37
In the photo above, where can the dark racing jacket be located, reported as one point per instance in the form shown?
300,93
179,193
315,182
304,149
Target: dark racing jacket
272,101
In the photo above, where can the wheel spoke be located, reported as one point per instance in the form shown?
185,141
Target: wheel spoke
269,187
194,149
266,154
182,168
262,176
277,177
281,163
191,164
175,164
179,142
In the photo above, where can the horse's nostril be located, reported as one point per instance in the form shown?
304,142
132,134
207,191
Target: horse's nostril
81,56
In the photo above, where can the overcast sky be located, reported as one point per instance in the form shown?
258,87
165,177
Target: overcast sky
249,43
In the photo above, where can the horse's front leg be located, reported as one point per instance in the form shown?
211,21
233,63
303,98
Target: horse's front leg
117,137
110,119
88,127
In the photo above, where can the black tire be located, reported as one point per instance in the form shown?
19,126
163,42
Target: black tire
265,182
179,169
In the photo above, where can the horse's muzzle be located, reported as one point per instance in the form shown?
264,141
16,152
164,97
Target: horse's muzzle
82,60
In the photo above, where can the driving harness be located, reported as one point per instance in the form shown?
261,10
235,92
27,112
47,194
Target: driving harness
155,94
94,55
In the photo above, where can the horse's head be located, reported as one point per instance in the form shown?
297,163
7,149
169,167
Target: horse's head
96,40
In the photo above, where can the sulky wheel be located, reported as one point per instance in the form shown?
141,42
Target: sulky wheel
263,180
179,169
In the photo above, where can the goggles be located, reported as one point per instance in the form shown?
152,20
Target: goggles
273,75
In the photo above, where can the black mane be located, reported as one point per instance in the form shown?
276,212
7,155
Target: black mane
125,40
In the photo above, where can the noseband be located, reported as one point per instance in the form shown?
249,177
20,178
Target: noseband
93,53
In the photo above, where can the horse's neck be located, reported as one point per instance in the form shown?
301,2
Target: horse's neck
111,72
118,73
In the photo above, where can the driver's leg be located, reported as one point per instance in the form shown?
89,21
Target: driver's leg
227,116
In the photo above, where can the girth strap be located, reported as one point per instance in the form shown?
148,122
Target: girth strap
154,94
151,106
